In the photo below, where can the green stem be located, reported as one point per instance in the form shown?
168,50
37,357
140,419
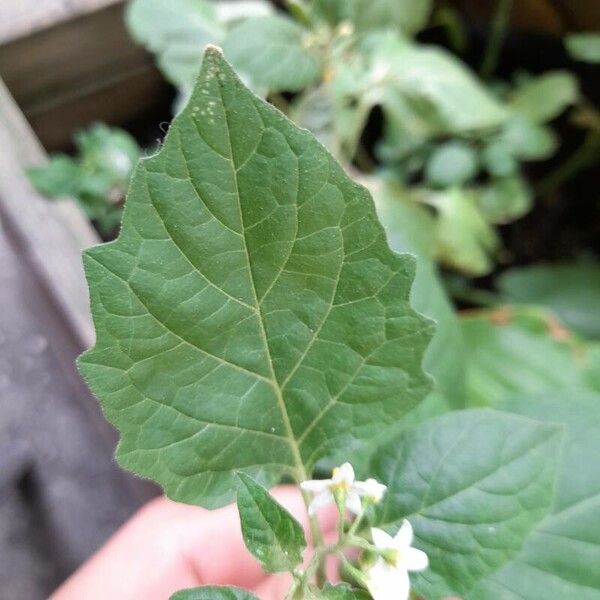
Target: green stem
587,153
317,538
492,50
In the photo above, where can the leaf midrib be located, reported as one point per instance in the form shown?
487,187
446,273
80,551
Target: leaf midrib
301,473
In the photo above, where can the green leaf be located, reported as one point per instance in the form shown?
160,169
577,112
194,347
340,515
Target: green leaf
571,291
584,46
424,92
341,591
527,139
411,229
273,52
452,163
472,484
498,159
214,593
176,32
545,97
250,316
408,16
504,199
559,558
464,239
511,352
270,532
60,177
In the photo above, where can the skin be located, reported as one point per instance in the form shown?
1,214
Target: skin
167,546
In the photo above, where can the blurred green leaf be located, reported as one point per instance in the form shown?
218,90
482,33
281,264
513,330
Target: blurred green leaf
408,16
177,31
504,199
452,163
341,591
464,239
584,46
498,159
60,177
273,52
410,228
572,291
527,139
512,351
473,484
546,96
270,532
560,556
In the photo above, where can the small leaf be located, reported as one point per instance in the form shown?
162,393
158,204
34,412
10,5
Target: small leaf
572,291
504,199
559,558
473,484
452,163
545,97
498,159
408,16
270,532
273,53
250,316
60,177
584,46
176,31
527,139
464,239
213,593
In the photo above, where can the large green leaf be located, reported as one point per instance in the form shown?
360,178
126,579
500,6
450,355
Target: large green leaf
273,52
559,559
510,353
473,484
270,532
572,291
250,316
214,593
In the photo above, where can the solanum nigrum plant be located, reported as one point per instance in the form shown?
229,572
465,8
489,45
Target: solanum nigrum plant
254,326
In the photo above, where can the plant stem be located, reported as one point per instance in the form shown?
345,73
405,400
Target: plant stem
317,538
586,154
492,50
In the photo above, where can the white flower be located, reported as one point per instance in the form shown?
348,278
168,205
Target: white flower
342,480
387,577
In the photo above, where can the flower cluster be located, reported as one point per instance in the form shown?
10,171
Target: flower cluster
385,572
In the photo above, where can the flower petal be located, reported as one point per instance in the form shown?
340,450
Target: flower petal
353,502
315,485
403,539
344,474
381,539
387,583
414,560
319,501
371,488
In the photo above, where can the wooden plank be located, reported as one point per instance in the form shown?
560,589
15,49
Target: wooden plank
80,70
18,19
51,234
